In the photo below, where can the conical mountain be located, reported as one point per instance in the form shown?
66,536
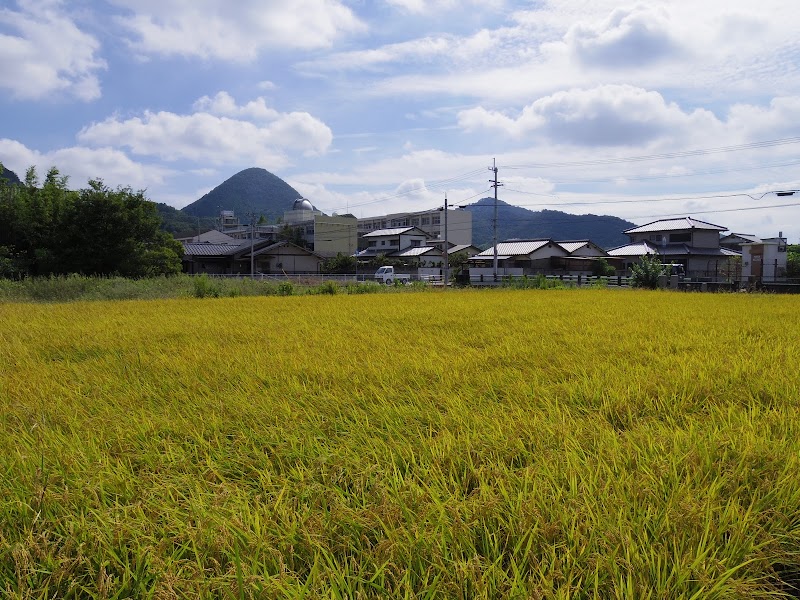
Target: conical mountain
253,190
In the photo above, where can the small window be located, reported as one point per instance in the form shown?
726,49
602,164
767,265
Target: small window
372,244
383,242
436,219
415,222
426,220
416,243
680,237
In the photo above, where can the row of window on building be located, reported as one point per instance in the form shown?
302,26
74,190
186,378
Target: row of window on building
404,222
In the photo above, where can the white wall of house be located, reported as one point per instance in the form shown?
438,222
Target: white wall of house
288,259
547,251
699,238
768,258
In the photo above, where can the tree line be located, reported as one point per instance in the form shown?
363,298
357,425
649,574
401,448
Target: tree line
47,229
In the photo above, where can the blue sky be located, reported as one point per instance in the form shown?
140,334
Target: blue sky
641,110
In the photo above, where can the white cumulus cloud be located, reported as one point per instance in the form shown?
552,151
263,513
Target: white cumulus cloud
219,133
235,30
47,53
609,115
82,164
628,37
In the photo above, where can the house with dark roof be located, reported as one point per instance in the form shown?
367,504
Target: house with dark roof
689,242
542,256
517,258
235,258
389,241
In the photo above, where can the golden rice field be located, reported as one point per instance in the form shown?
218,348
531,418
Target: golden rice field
469,444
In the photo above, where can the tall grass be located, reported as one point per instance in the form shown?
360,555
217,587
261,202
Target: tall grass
73,288
468,445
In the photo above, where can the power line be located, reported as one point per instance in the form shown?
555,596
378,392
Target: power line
428,185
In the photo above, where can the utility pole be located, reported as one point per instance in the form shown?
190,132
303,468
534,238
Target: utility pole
446,246
495,185
252,243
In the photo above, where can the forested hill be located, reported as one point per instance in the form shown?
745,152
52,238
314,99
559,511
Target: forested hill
180,224
9,176
516,222
253,190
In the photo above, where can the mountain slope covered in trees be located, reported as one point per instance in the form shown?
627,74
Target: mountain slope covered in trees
516,222
253,190
181,225
9,175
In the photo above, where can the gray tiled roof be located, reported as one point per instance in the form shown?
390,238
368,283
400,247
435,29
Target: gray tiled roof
744,236
384,232
675,225
416,251
637,249
208,249
642,248
515,248
458,248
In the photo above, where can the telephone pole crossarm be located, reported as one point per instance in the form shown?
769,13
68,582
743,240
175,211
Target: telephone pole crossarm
495,185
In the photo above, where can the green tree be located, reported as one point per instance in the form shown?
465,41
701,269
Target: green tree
793,260
293,235
601,268
339,264
32,219
645,274
117,232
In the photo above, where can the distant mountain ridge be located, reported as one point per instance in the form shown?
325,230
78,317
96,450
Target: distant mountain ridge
10,176
253,190
257,191
521,223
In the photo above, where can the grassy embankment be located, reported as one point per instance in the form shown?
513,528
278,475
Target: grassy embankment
560,444
73,288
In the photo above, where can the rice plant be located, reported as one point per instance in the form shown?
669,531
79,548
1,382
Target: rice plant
470,444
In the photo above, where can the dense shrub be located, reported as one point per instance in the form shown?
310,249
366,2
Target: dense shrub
645,274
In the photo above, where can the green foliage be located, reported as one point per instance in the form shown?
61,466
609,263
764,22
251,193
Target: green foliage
8,266
8,175
339,264
365,287
457,262
286,288
537,282
793,261
206,287
646,272
601,268
51,230
181,224
293,235
330,288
